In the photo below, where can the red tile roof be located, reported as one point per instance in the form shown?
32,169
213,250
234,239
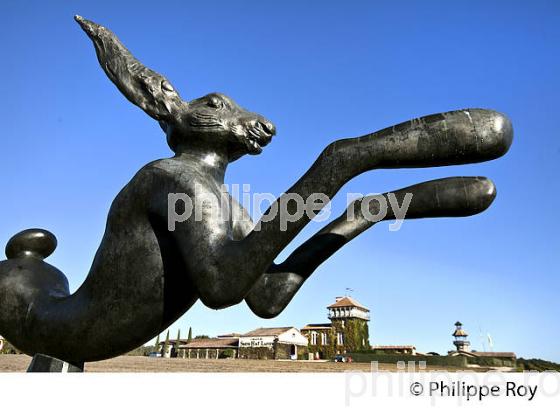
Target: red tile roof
228,335
397,347
494,354
347,301
317,326
267,331
483,354
213,343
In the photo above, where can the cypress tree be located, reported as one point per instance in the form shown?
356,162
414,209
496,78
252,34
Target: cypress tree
177,342
189,338
156,347
165,345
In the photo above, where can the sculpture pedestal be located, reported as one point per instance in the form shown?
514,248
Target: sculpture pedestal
42,363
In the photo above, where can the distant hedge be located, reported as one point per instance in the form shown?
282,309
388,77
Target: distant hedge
447,361
492,361
141,351
537,365
226,354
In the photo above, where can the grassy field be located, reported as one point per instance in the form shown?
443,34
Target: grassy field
134,364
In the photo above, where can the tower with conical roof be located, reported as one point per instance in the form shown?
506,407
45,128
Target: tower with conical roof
349,320
347,332
347,308
461,342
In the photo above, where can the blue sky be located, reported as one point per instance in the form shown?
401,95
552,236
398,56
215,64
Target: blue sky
321,70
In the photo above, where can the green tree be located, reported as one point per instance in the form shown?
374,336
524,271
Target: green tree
9,348
165,345
156,346
189,338
178,337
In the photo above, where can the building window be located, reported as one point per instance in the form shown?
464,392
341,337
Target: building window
313,338
339,338
323,339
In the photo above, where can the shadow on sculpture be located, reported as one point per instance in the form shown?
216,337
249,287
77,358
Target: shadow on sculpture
145,276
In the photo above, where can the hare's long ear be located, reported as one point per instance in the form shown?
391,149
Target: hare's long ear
144,87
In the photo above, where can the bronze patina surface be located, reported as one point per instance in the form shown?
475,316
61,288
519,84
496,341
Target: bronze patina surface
145,276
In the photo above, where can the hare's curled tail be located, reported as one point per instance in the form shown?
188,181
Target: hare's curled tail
26,281
37,243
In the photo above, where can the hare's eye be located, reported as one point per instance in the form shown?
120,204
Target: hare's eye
215,103
166,86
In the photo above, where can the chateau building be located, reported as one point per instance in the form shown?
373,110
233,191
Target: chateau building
492,359
394,349
348,330
346,333
209,348
262,343
273,343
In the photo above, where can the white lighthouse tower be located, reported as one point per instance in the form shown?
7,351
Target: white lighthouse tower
461,342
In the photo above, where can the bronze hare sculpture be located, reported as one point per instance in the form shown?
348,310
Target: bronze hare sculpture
145,275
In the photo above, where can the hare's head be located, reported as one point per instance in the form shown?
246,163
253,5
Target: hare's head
214,121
